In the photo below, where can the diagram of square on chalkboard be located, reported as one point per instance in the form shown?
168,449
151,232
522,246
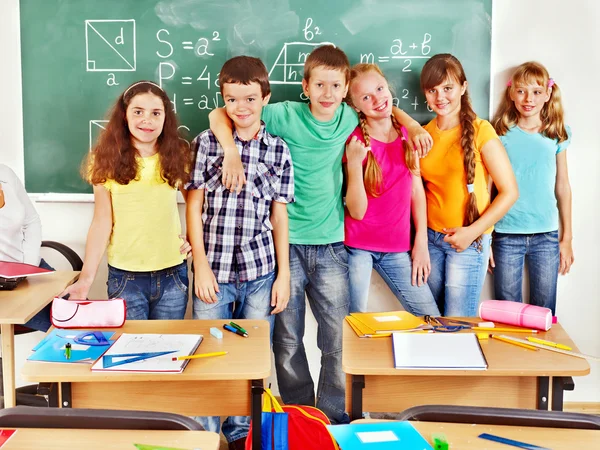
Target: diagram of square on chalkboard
110,45
96,127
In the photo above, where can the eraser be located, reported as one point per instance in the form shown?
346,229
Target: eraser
482,336
216,333
486,324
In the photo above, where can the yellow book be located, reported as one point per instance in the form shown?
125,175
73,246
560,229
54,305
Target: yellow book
389,322
361,329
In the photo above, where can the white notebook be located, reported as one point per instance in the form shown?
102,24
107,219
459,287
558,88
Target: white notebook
148,353
450,351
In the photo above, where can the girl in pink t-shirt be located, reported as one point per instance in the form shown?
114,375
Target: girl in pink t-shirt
383,187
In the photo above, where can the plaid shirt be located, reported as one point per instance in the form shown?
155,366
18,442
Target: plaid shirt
238,236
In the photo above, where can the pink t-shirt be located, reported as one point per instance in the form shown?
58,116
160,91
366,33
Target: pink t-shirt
386,224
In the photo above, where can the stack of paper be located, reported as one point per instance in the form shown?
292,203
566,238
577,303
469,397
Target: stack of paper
454,351
384,323
378,436
149,353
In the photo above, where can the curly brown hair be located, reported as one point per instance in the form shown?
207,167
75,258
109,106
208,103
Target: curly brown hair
114,156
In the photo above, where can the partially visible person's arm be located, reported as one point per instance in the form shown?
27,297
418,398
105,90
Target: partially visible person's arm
418,138
32,226
356,195
280,293
564,200
498,165
97,241
234,177
421,264
205,282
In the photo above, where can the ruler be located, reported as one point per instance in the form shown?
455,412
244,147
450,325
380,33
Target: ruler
551,349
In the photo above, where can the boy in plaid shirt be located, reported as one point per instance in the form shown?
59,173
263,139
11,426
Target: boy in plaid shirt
240,240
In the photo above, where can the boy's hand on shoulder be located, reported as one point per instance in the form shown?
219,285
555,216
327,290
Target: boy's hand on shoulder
234,177
566,257
419,140
356,152
205,283
280,294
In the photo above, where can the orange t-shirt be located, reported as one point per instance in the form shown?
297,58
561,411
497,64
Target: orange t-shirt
445,179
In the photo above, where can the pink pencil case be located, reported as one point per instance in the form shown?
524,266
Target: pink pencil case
516,313
88,313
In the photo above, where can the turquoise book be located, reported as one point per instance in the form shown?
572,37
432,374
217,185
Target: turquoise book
86,346
379,436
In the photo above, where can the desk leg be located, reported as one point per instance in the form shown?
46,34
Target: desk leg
256,413
358,384
543,393
65,395
559,385
8,363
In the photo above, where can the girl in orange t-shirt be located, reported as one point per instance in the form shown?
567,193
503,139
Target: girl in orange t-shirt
460,218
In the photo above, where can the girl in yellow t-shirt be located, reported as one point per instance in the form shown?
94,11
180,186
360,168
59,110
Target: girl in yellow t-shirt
136,167
466,152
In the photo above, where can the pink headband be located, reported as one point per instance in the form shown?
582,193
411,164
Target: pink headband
550,82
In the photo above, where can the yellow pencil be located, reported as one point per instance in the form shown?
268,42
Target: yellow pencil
510,341
504,330
201,355
549,343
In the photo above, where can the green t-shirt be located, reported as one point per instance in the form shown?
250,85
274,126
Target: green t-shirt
317,216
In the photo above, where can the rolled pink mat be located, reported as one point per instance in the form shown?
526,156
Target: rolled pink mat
516,313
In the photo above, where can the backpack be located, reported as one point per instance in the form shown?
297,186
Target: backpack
292,427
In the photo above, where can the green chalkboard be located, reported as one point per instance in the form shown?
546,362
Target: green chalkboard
78,56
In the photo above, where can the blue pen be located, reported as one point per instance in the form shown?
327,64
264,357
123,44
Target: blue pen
235,330
491,437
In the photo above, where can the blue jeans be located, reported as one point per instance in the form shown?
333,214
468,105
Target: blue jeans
319,273
41,321
240,300
456,279
158,294
542,253
396,269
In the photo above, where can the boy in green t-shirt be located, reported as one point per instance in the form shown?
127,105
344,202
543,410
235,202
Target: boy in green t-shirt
316,134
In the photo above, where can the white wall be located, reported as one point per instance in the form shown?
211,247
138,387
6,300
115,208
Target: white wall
562,35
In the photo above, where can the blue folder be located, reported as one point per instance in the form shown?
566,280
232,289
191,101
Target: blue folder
379,436
52,348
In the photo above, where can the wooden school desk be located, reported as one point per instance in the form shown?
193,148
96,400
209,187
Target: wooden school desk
463,436
516,377
67,439
218,386
16,308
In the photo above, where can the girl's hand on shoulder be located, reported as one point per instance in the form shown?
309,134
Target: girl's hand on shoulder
186,248
356,152
280,294
205,283
459,238
419,140
566,257
421,264
234,176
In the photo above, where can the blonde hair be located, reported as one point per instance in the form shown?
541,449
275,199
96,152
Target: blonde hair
372,176
435,71
552,113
